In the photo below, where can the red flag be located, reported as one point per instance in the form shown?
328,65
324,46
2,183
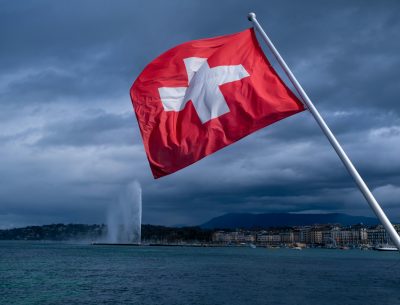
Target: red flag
204,95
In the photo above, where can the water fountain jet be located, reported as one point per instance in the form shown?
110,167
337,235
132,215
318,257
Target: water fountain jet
124,219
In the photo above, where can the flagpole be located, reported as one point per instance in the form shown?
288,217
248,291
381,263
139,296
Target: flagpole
332,139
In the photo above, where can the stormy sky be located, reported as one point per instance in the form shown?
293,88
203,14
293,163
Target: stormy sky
69,140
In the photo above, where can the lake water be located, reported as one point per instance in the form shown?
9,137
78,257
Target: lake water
56,273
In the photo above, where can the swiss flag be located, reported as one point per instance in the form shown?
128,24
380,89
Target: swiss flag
204,95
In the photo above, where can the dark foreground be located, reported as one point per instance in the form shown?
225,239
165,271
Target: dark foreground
54,273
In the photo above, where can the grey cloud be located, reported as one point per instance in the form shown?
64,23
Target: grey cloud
102,129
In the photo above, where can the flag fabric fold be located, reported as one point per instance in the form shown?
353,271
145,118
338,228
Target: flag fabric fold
204,95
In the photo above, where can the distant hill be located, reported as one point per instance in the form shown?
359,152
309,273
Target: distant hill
87,233
249,221
57,232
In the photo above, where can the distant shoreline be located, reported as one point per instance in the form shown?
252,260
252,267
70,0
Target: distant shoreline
198,245
317,236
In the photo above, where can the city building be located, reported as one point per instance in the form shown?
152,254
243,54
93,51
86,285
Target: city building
314,236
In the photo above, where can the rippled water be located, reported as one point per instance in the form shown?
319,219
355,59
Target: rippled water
55,273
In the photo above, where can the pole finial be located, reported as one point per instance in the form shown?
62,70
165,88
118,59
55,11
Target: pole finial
251,16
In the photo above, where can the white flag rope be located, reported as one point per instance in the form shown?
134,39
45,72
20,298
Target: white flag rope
332,139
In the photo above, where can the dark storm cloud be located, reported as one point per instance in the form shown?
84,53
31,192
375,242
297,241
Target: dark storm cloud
69,141
99,130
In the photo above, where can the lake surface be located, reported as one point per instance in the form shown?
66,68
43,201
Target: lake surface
56,273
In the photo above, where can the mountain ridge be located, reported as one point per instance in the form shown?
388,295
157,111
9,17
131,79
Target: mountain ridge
265,220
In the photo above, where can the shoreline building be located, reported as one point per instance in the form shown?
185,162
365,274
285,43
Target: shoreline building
314,236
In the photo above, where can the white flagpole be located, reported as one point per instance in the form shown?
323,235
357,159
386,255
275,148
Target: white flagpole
339,150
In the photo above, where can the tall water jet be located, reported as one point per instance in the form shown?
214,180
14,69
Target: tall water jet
124,219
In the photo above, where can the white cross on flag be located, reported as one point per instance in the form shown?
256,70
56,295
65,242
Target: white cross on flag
203,88
204,95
